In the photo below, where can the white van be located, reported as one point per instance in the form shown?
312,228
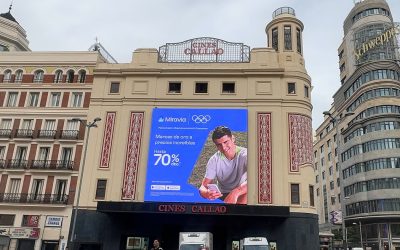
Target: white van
255,243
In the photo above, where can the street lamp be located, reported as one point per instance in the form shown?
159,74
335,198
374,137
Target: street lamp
361,239
336,121
87,125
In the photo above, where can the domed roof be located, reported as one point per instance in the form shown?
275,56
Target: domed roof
8,15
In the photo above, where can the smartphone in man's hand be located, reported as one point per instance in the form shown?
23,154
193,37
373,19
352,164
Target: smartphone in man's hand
213,187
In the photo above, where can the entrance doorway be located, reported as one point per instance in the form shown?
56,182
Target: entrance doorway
26,245
49,245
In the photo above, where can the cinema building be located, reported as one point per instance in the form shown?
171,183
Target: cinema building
147,156
357,159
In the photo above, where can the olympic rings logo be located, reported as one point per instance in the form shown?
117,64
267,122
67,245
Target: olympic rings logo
201,118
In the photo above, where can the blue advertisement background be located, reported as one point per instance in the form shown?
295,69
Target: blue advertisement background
176,141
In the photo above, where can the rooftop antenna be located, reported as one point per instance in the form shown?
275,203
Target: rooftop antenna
9,9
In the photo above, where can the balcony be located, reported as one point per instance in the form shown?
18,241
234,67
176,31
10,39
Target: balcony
69,134
50,134
5,133
53,165
16,164
24,133
34,198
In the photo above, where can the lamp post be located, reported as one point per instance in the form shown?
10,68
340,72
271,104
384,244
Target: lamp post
87,125
336,121
361,239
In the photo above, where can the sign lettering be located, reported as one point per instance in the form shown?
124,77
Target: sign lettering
382,39
194,209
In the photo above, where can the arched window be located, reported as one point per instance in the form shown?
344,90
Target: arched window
81,76
38,76
58,76
7,76
70,76
18,75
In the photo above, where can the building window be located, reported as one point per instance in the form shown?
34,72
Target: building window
101,189
70,76
174,87
2,152
55,99
306,92
287,33
316,178
30,221
81,76
33,99
5,124
298,36
295,193
323,175
76,101
228,87
12,99
58,76
38,76
114,88
329,156
291,88
18,76
201,88
7,219
333,200
275,38
331,185
317,191
7,76
330,170
14,186
60,190
338,182
37,189
311,191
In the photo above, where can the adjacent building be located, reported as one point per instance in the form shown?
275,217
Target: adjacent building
357,159
40,146
147,157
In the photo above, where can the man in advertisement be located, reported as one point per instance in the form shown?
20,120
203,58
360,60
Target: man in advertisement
226,170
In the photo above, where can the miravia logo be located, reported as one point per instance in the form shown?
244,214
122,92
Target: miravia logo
172,119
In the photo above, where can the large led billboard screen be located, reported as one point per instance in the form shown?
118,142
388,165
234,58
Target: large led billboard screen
197,155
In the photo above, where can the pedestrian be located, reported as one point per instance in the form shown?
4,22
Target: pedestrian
156,245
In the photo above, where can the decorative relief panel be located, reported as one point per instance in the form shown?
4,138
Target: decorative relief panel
300,141
264,158
107,140
132,156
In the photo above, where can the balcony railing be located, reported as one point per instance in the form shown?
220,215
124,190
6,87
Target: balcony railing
5,133
24,133
69,134
17,164
51,134
34,198
51,164
37,164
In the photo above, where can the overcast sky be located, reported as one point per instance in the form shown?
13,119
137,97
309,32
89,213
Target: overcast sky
125,25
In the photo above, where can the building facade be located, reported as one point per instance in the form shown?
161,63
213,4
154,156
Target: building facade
147,157
40,150
356,150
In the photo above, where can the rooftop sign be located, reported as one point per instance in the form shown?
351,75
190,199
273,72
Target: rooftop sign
388,38
204,50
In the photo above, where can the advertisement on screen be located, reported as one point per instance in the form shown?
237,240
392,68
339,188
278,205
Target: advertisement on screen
197,155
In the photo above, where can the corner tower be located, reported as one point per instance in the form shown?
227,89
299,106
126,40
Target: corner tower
12,35
284,34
